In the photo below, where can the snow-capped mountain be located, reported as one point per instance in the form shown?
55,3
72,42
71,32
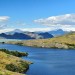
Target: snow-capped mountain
19,34
14,31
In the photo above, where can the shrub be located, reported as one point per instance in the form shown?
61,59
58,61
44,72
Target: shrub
21,67
15,53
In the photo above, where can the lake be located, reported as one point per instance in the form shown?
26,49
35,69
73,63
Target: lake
6,40
47,61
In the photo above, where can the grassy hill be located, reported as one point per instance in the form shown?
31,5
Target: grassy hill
66,41
12,65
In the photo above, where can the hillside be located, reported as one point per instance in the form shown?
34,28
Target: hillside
12,65
66,41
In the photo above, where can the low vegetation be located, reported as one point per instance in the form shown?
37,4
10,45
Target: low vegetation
12,65
15,53
66,41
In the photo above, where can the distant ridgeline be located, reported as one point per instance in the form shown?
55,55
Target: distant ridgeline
27,35
19,34
66,41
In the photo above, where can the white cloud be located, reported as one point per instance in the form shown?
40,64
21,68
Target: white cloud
3,26
36,29
3,21
66,21
4,18
26,29
68,28
5,30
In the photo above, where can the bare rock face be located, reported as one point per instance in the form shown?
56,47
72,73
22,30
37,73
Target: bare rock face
59,45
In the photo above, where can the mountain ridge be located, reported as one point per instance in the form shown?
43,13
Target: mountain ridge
18,34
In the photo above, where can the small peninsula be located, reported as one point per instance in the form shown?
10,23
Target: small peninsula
11,64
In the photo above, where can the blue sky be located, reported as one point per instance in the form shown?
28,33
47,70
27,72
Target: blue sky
23,13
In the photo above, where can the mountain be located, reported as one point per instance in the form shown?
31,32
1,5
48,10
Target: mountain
58,32
25,35
41,35
34,35
14,31
66,41
15,36
19,34
45,35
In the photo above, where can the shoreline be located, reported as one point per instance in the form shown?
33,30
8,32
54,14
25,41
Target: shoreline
42,47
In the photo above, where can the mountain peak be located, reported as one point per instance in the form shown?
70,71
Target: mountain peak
58,32
14,31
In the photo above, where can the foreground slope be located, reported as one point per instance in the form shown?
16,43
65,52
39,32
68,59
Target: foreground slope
12,65
66,41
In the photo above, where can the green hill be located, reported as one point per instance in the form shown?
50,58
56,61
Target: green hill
12,65
66,41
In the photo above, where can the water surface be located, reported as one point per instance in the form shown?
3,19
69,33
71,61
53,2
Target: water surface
47,61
